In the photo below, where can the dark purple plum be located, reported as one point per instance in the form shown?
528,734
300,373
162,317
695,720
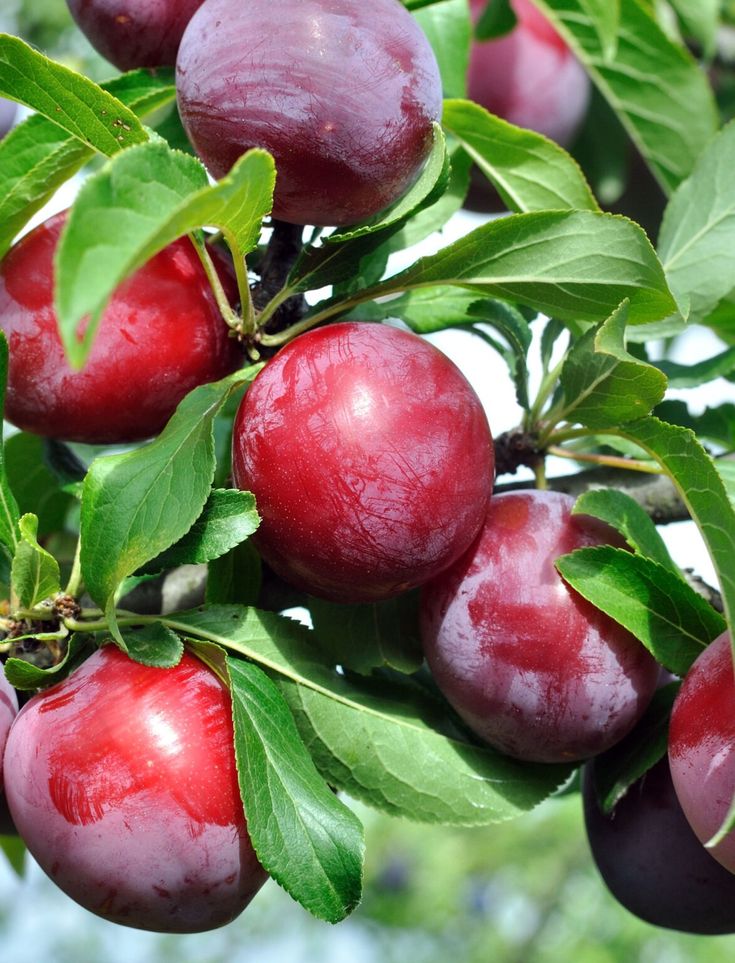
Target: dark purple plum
370,458
652,862
342,93
134,33
533,668
702,746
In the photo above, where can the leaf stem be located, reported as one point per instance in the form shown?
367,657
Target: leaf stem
611,461
74,585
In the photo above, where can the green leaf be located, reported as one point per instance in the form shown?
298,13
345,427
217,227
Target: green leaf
154,644
373,738
35,486
76,104
9,512
496,20
630,519
135,206
448,29
657,89
27,677
605,385
616,770
35,574
38,156
693,473
235,577
697,238
366,637
228,518
574,265
137,504
304,836
700,20
658,607
530,172
604,16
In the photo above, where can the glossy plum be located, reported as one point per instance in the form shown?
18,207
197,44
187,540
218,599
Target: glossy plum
652,862
533,668
162,334
8,712
529,77
702,746
342,93
121,780
134,33
370,458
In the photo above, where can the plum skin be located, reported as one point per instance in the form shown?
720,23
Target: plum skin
8,712
370,458
161,335
529,77
701,740
121,780
134,33
342,93
531,667
651,861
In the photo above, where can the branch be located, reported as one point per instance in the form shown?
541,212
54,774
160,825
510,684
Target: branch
656,494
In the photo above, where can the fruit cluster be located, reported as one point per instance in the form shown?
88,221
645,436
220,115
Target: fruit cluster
372,465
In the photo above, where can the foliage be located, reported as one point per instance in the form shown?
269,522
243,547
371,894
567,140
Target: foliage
309,714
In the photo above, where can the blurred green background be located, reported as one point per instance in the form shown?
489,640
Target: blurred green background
523,892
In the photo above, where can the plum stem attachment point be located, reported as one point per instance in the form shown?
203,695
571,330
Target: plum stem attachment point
228,315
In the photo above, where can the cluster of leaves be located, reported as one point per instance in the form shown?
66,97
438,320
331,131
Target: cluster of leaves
346,704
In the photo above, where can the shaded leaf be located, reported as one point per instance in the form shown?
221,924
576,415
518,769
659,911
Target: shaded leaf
305,837
655,86
154,644
228,518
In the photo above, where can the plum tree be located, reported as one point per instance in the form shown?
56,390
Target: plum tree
162,334
121,780
529,77
134,33
370,458
650,859
367,459
701,740
342,94
532,667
